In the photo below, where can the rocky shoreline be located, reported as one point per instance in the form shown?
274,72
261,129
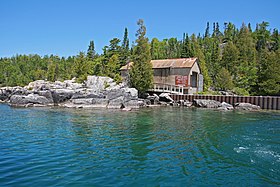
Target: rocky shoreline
97,92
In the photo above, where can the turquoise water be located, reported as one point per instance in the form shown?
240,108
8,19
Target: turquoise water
148,147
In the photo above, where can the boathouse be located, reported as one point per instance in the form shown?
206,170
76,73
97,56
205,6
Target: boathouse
178,76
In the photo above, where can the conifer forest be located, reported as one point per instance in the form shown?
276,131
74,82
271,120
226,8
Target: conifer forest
245,60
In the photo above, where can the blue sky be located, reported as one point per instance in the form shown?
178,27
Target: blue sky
65,27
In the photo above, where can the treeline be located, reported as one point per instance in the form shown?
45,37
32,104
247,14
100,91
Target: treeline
243,59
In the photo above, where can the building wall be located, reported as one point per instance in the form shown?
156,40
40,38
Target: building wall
167,75
195,68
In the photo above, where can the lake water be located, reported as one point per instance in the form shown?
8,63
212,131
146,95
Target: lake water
148,147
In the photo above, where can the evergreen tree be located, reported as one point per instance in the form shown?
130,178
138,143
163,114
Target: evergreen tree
125,44
204,70
275,40
214,59
155,50
214,30
173,48
125,51
163,48
114,47
91,51
81,67
113,68
141,73
223,80
246,75
229,32
269,80
185,47
230,58
207,31
51,74
263,36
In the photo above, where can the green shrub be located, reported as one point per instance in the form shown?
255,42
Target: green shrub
240,91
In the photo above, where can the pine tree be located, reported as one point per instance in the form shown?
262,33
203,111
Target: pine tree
91,51
207,31
113,68
230,58
155,44
269,82
223,80
229,32
141,73
125,43
125,51
81,67
262,36
185,47
214,30
246,74
173,48
204,70
214,59
51,74
275,40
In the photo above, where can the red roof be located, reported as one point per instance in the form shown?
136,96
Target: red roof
168,63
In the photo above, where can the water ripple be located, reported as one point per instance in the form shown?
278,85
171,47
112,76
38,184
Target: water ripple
154,147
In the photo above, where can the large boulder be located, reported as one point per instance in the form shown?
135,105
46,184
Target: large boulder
71,84
83,101
133,104
127,93
246,106
38,85
79,95
22,100
116,103
165,97
62,95
207,103
225,106
58,85
17,90
132,92
100,102
185,103
5,93
154,99
99,83
47,94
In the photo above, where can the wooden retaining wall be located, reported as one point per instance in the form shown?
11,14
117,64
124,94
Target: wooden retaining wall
265,102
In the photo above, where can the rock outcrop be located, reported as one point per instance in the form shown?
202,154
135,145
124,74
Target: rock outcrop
154,99
185,103
203,103
225,106
165,97
29,100
246,106
96,91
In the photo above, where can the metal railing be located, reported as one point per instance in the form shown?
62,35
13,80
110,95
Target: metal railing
167,88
